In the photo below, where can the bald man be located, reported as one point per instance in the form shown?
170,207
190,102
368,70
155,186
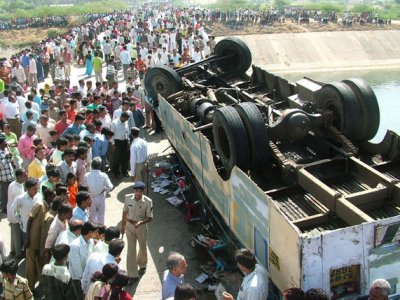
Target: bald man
74,231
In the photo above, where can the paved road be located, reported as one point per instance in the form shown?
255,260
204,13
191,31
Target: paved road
167,231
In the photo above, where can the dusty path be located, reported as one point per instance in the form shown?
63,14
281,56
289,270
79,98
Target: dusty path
167,232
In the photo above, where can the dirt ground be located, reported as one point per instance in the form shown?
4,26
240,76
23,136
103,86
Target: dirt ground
220,29
21,38
168,230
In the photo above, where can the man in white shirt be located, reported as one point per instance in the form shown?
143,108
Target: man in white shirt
19,73
111,233
21,103
104,117
59,224
138,157
23,205
158,61
124,108
16,189
60,73
164,56
107,50
99,185
12,115
80,250
70,234
255,281
97,261
43,130
120,145
143,51
125,60
33,81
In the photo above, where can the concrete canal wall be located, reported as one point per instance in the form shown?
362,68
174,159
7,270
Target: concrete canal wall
324,51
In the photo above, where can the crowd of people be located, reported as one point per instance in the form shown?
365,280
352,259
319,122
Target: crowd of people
62,138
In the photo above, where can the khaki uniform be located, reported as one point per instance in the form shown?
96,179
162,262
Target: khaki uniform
34,258
137,211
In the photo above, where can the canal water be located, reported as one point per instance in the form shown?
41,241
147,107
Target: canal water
386,85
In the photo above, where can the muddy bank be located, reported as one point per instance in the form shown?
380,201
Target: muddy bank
319,51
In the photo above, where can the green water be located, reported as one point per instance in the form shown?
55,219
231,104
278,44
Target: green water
386,85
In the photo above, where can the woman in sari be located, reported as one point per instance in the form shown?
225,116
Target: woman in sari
89,66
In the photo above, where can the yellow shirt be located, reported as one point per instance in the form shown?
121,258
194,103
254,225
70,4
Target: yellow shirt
36,169
17,290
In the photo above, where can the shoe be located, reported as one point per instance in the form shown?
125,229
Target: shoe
133,279
142,270
126,175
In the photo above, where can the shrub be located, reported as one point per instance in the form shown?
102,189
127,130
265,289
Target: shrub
54,32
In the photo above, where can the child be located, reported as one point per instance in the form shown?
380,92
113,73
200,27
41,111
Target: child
76,139
72,185
73,111
13,283
81,155
61,144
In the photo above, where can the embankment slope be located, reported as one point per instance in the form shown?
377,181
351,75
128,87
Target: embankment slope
324,51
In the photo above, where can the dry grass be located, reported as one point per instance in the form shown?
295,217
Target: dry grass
221,30
18,39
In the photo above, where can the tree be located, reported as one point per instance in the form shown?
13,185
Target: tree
280,4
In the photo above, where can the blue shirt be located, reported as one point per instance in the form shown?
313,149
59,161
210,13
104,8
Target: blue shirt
80,214
136,119
35,116
25,61
73,129
100,145
170,282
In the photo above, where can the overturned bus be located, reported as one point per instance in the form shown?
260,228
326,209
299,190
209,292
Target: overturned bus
289,167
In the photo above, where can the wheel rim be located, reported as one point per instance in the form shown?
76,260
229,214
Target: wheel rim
161,85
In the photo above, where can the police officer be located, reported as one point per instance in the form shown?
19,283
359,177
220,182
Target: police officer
137,212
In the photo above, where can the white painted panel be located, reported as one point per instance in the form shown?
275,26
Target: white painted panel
311,263
341,248
285,242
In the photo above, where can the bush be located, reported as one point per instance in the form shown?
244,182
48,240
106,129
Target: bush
54,32
74,10
325,7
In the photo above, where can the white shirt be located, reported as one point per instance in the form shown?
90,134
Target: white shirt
95,263
59,73
11,110
118,112
138,153
44,133
15,189
101,247
21,102
55,229
196,56
98,182
22,207
79,252
144,52
254,285
106,121
32,66
19,73
65,237
121,130
125,57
